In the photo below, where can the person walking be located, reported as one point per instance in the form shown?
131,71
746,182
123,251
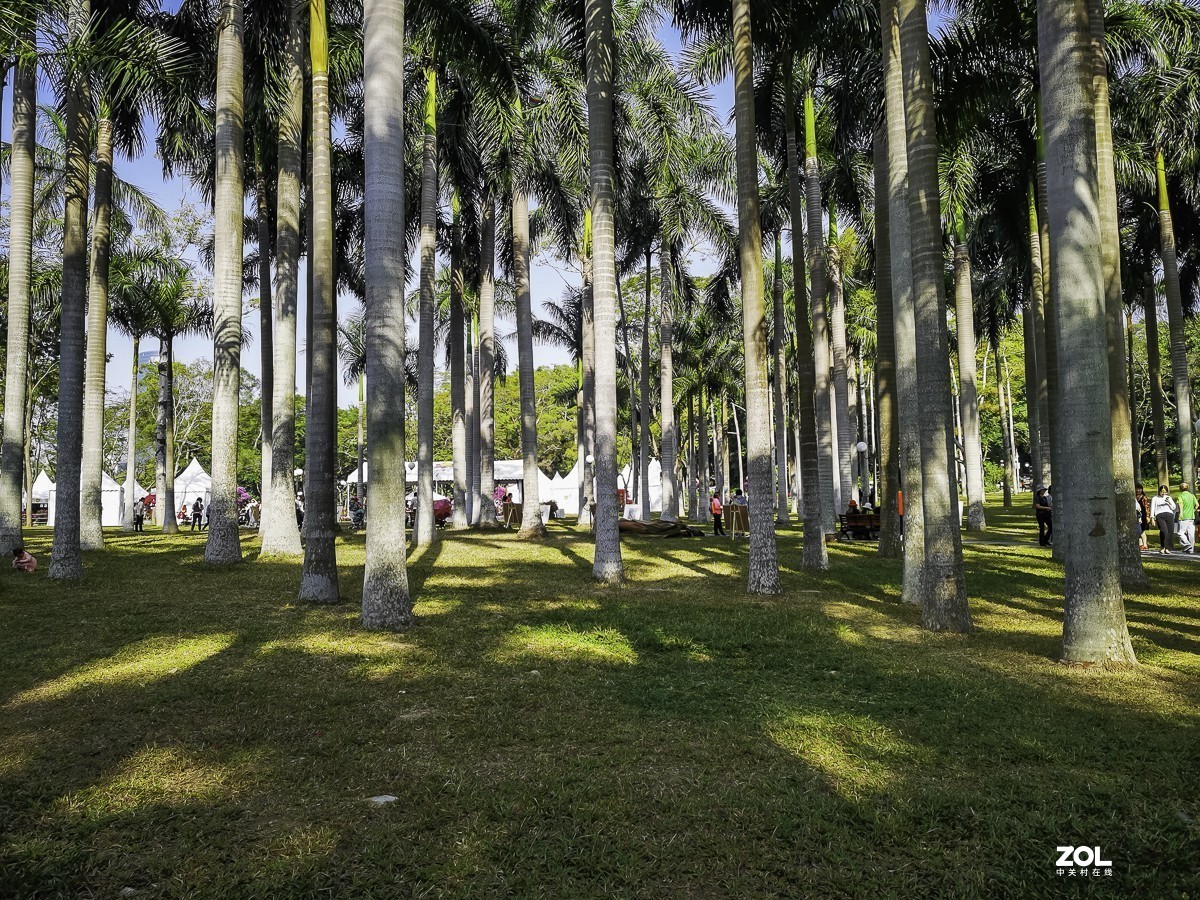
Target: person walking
716,509
139,513
1163,509
1044,511
198,514
1187,518
1144,519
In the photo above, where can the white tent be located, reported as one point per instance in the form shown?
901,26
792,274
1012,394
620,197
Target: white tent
112,501
191,483
42,486
352,478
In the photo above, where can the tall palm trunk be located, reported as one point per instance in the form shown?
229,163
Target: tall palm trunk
607,566
318,582
819,282
361,437
66,560
20,266
1041,389
763,568
1031,399
778,335
1050,321
1094,629
816,555
472,440
1005,438
164,426
487,363
968,398
911,509
91,530
266,318
644,418
458,376
1175,325
1135,438
279,531
944,598
841,386
131,443
223,542
1154,363
702,458
386,604
890,544
668,430
1129,555
531,518
423,531
588,383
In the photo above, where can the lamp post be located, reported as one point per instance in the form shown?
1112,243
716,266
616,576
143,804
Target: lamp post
863,477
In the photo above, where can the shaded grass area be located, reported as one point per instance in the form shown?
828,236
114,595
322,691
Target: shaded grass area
185,731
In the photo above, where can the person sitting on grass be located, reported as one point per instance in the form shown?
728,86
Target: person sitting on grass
23,560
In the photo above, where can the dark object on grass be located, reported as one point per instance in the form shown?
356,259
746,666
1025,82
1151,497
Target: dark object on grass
659,529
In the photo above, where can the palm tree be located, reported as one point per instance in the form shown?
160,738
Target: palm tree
487,361
944,602
386,603
352,347
423,530
223,544
66,561
1094,628
20,269
319,581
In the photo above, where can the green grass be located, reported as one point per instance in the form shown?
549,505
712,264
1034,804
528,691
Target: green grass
184,731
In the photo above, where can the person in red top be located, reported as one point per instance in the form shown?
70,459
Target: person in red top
715,507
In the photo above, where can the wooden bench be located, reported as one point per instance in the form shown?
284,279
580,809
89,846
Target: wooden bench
859,526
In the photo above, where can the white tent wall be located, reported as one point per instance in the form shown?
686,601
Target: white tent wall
112,502
191,483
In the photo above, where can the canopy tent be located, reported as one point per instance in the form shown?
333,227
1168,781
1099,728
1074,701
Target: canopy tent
191,483
42,486
112,501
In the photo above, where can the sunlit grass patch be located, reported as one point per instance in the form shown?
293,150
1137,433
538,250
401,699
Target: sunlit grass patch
564,643
154,776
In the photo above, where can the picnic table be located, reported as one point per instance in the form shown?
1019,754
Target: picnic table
859,526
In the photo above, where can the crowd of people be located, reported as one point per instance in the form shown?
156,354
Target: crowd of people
1174,517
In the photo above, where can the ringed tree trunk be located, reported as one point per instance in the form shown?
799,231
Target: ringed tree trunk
359,491
818,276
944,598
131,443
164,456
223,544
20,267
702,458
487,362
458,377
1154,362
1041,391
587,362
1005,439
266,318
280,533
91,530
779,327
968,398
1094,628
816,554
1175,325
607,566
841,380
903,314
1128,554
644,418
386,603
472,416
318,581
1031,400
669,430
763,568
66,560
531,513
423,532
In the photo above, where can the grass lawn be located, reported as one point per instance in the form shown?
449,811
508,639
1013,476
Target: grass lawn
183,731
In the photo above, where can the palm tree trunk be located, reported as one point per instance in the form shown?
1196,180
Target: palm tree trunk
165,428
690,455
841,386
131,444
587,361
819,284
318,583
278,529
359,490
66,561
944,599
763,568
1175,325
1135,438
1050,323
1006,446
487,363
815,514
91,529
1094,629
669,433
458,377
1129,556
20,266
531,518
1031,404
702,460
903,314
644,378
223,544
424,526
964,317
266,319
778,334
1154,362
386,604
1041,388
472,401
